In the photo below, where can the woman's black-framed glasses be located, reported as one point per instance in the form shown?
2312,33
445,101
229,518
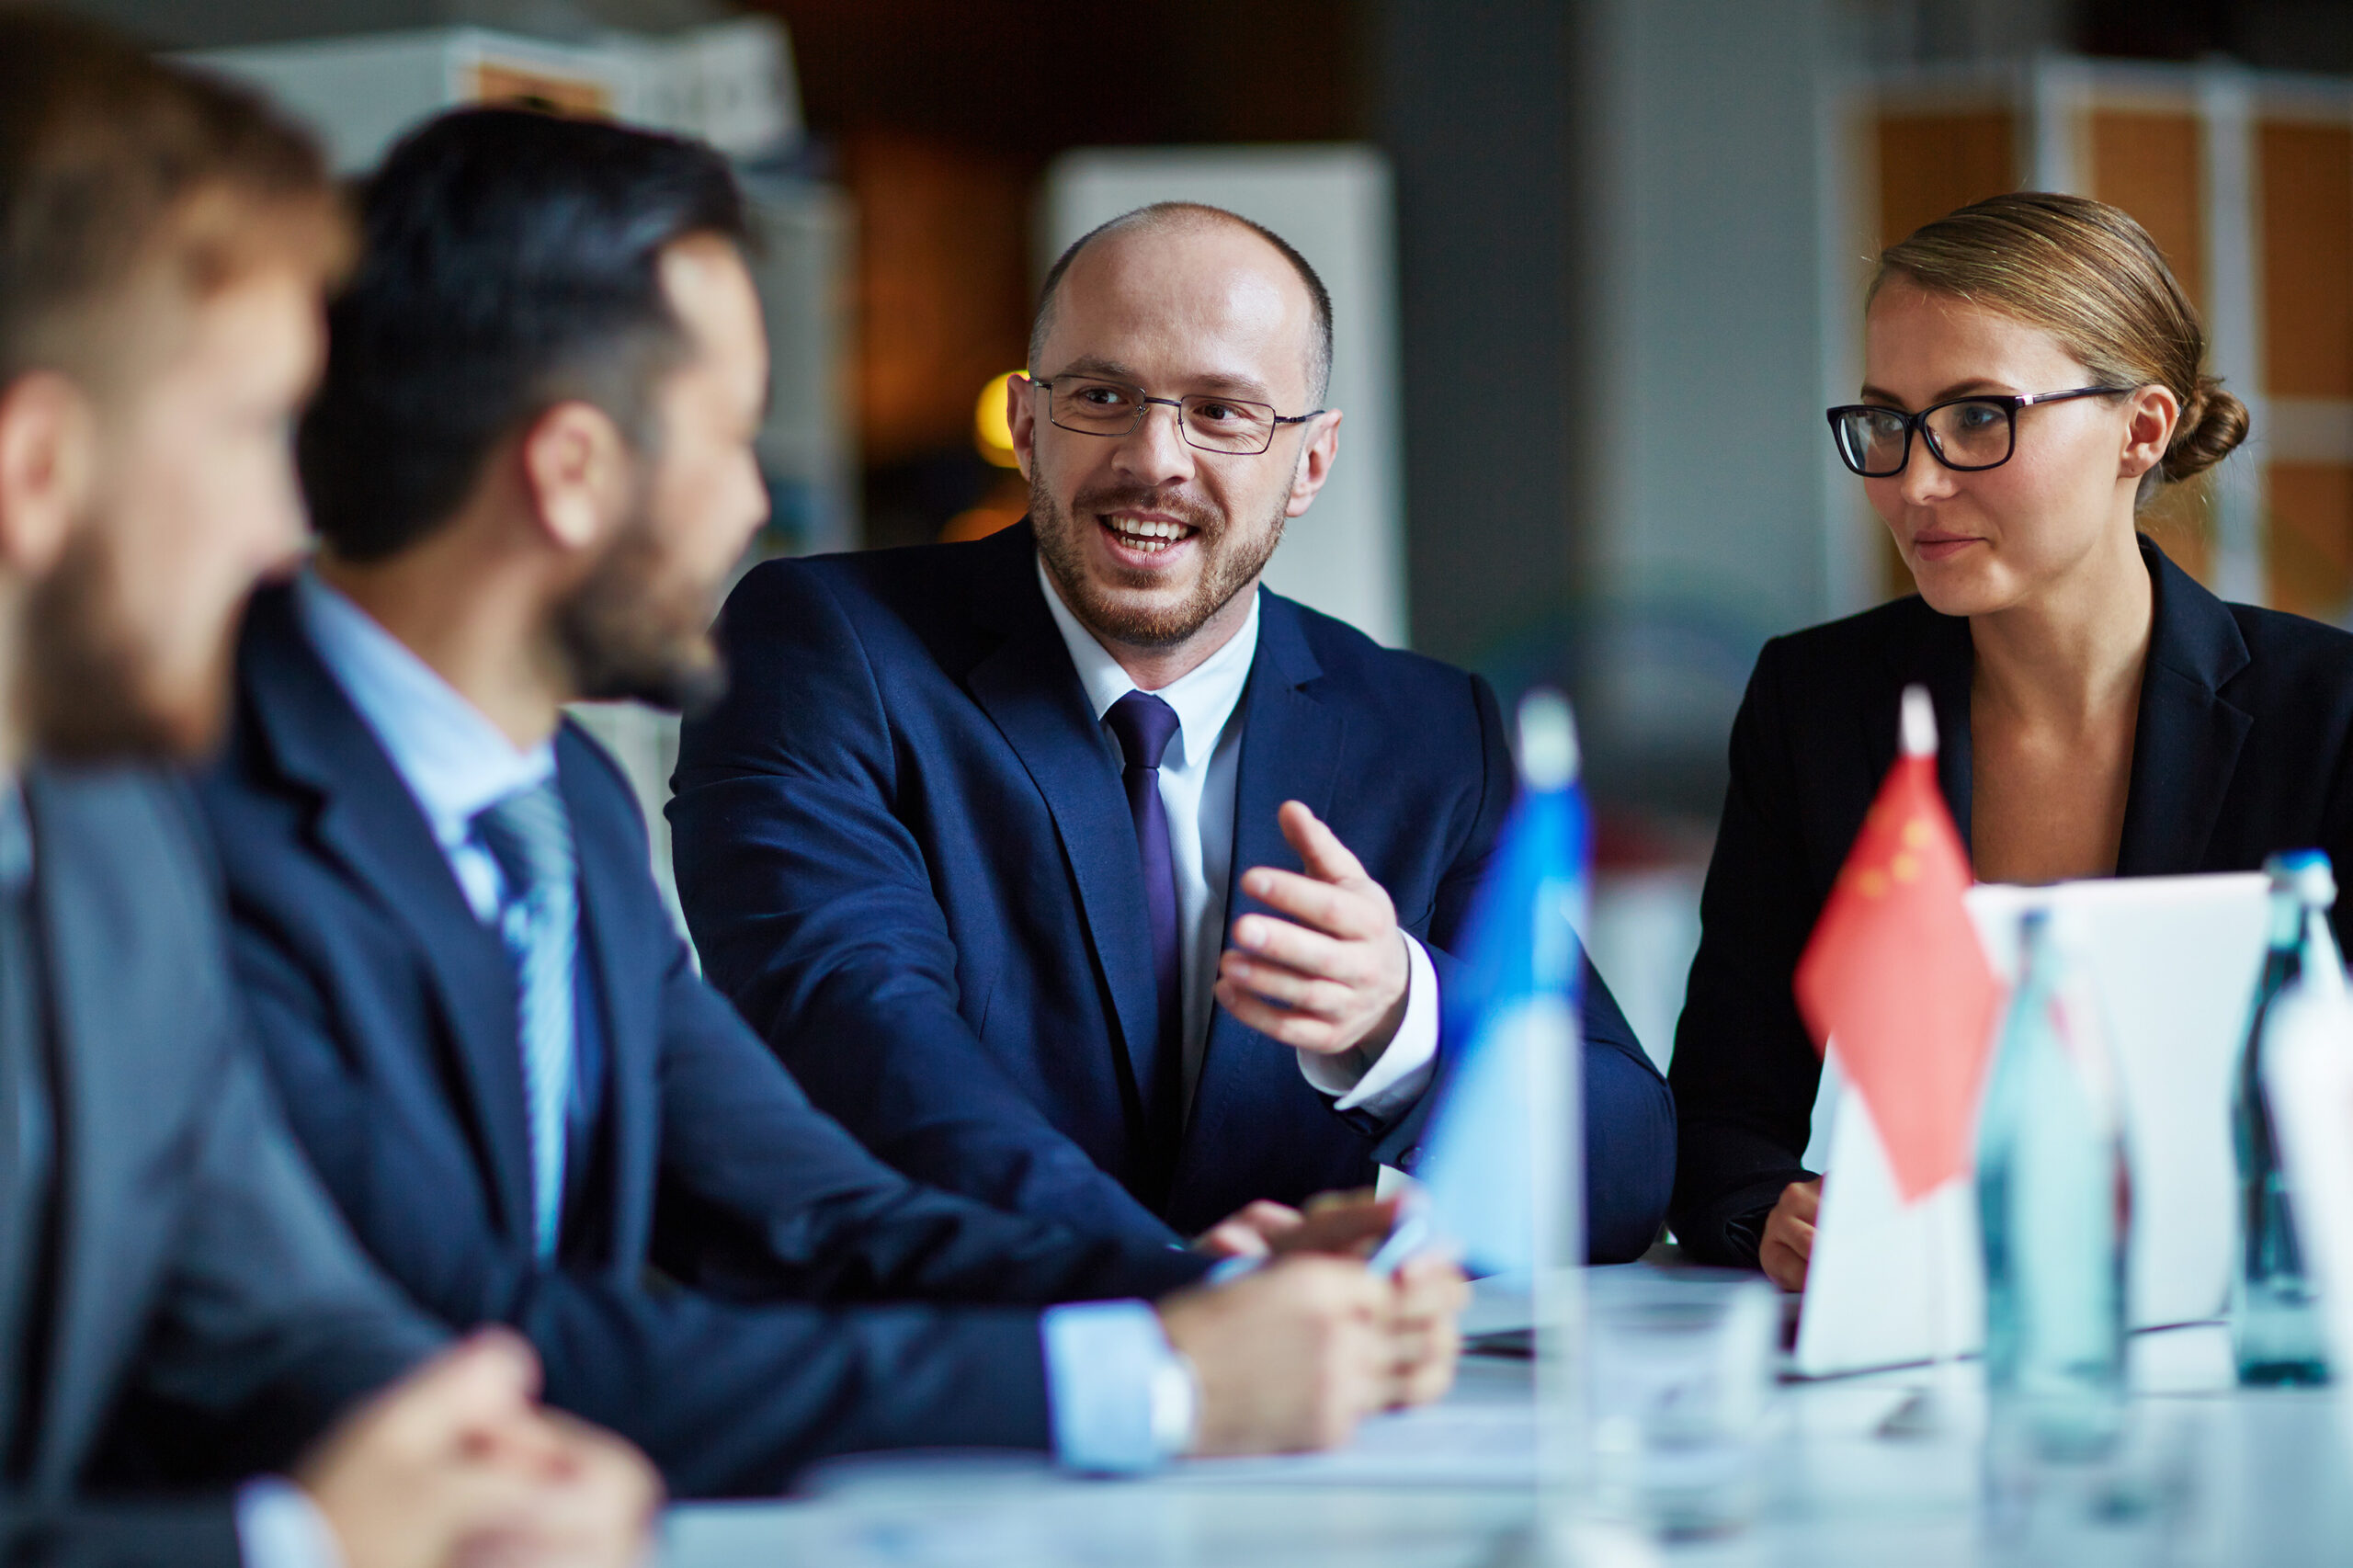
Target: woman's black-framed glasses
1091,406
1967,434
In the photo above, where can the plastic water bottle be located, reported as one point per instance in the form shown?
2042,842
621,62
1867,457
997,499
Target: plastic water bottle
2054,1197
2275,1321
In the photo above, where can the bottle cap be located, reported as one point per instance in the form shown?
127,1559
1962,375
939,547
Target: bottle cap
2306,873
1549,755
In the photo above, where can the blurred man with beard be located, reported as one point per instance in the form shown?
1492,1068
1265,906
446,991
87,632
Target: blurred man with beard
531,463
170,1273
969,837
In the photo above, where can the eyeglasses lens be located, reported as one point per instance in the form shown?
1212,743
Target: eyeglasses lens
1871,440
1972,434
1112,408
1217,424
1095,408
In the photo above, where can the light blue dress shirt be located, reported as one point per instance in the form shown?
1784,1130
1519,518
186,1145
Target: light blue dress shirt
1121,1399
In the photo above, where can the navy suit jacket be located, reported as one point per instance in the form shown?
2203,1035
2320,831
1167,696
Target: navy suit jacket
2244,745
905,854
387,1012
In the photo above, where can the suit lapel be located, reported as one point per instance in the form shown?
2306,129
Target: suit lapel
609,865
1291,744
2186,746
1029,690
367,820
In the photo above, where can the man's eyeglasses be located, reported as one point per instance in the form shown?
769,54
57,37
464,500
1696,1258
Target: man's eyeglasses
1092,406
1967,434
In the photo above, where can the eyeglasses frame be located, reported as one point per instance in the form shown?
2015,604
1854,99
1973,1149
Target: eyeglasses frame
1145,401
2011,403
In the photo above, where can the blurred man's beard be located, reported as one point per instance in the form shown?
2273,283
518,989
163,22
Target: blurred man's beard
92,693
1231,562
629,642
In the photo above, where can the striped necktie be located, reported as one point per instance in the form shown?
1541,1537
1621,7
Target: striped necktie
530,837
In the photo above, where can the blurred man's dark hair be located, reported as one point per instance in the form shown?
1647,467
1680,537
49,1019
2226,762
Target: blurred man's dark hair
120,175
509,261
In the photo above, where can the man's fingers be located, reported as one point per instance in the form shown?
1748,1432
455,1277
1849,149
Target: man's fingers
1348,1229
1286,987
1295,947
1353,911
1269,1217
1302,1030
475,1393
1250,1230
1430,1290
1319,847
1230,1238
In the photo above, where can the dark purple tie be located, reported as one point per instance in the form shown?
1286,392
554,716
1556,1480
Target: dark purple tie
1144,724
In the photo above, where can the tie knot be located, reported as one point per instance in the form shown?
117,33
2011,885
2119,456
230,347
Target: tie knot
1144,725
530,837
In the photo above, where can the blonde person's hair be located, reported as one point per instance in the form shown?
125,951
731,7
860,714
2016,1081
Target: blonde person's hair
2088,275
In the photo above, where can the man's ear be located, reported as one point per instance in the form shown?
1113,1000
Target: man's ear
576,472
1021,419
1316,454
48,464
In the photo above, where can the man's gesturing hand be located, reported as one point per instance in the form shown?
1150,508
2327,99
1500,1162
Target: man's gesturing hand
1332,977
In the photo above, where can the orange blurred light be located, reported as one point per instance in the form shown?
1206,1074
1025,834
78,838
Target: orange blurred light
990,433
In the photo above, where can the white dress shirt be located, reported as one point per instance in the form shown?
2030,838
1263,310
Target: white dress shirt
1197,785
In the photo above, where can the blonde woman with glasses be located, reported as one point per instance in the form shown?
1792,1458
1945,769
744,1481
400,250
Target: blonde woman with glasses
2033,376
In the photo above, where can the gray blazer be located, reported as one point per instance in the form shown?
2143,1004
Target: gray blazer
206,1297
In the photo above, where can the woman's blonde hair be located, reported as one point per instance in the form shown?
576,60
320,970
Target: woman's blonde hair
2088,275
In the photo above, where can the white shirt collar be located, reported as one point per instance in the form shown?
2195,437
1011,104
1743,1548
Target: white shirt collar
453,759
1204,696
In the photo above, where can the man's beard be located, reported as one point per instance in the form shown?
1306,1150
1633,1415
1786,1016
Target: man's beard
1231,562
627,640
89,688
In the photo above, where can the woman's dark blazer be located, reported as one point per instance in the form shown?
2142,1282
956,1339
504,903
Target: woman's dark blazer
2245,734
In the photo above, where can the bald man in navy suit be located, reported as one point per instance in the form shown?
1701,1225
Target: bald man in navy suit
1072,868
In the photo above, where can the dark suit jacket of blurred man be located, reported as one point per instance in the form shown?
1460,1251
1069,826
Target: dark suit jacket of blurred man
387,1012
166,1248
906,854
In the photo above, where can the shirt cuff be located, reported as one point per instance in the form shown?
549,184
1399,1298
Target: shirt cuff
280,1527
1385,1088
1123,1400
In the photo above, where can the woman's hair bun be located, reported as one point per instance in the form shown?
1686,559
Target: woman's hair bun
2213,425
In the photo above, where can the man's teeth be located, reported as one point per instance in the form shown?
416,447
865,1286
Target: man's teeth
1150,535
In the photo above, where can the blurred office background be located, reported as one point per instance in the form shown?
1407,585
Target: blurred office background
1596,263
